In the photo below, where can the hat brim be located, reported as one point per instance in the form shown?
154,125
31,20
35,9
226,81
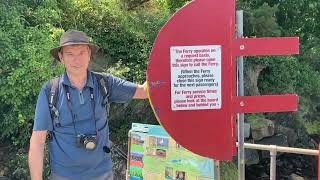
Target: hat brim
55,51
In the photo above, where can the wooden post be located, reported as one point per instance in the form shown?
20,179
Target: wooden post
128,159
216,169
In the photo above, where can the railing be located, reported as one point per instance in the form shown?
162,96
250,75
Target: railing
273,155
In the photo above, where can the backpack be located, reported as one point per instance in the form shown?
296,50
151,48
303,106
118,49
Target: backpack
52,95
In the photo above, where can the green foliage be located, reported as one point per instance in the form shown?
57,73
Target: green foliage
29,29
174,5
297,124
106,23
118,70
18,165
229,170
307,116
287,75
261,21
313,127
255,120
25,60
147,23
132,4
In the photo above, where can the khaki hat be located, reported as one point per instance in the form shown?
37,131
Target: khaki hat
73,37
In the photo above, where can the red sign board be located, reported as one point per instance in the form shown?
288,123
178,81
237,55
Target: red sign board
191,76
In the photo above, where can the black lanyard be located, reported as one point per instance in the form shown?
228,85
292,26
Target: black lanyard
66,88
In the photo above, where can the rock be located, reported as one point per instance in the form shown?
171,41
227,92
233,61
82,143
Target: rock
247,130
317,107
305,141
289,133
256,172
6,170
4,178
278,140
252,156
261,128
295,177
3,171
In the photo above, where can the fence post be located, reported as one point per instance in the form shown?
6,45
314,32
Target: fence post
273,162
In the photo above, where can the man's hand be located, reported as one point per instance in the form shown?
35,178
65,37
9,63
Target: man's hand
141,91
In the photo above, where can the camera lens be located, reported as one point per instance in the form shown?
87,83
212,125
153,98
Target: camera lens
90,142
90,145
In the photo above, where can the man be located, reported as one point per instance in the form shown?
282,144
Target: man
79,143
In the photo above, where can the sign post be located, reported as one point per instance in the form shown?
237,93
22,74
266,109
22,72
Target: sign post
240,92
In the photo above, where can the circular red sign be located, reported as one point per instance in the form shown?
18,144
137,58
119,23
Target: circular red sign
208,132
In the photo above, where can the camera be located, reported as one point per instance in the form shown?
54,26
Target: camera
87,141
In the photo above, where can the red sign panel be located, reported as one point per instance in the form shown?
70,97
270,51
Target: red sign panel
191,76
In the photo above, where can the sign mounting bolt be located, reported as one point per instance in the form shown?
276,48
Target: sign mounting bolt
242,103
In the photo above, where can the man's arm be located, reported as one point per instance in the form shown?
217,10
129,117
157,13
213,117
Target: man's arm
36,154
141,91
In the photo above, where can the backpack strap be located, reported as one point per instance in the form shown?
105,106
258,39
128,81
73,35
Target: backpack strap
52,94
104,89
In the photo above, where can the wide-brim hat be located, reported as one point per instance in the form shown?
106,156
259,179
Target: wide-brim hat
73,37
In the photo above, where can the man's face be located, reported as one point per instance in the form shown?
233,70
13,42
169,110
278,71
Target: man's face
75,58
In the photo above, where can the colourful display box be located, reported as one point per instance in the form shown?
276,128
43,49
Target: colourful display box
154,155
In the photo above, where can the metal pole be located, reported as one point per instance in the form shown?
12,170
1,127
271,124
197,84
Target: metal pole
241,158
273,162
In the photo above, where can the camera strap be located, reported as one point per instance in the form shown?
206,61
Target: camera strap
66,88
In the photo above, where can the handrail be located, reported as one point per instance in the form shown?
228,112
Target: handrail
281,149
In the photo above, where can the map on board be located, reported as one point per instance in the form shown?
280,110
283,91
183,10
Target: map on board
154,155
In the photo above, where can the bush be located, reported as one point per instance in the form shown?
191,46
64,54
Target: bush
25,66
